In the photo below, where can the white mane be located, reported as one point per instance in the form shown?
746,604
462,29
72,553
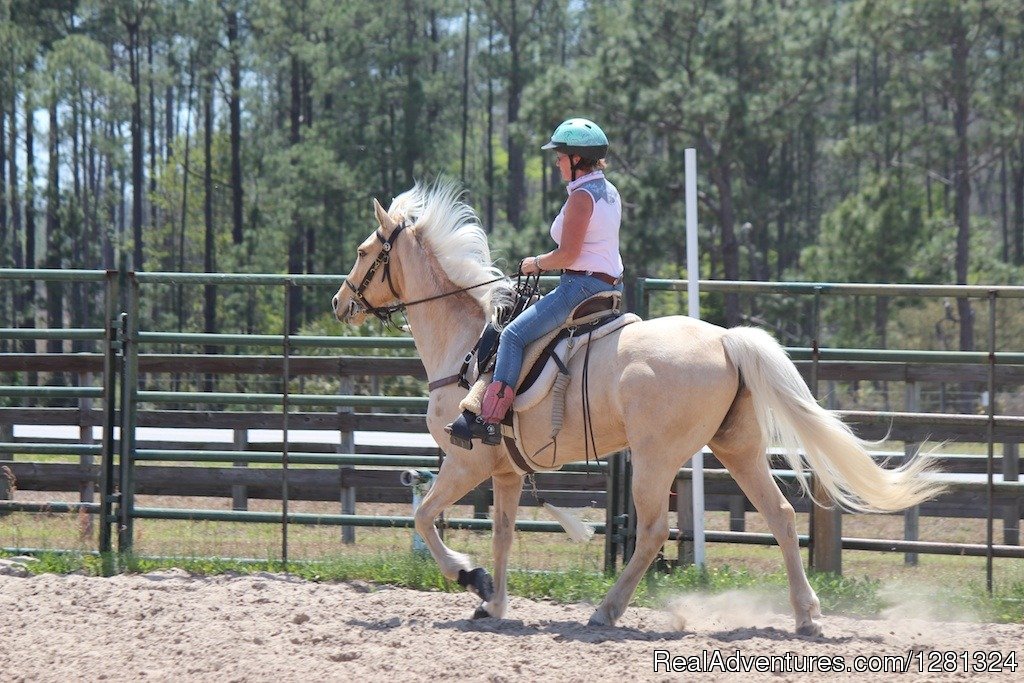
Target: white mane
450,228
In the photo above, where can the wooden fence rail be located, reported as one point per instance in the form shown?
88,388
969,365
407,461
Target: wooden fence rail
350,486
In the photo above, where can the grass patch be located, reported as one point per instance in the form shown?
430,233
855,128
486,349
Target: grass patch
862,597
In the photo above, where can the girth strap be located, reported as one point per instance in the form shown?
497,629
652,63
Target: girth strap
513,450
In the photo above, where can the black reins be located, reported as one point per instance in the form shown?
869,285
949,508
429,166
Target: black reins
384,313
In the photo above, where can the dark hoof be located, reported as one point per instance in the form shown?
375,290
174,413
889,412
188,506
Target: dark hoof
812,629
478,581
481,613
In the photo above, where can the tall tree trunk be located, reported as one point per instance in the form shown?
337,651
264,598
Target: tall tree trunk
516,160
54,290
30,218
209,237
235,107
962,179
82,254
110,259
296,251
721,176
1017,190
465,95
186,173
412,100
5,250
137,145
170,121
784,191
489,142
14,199
152,135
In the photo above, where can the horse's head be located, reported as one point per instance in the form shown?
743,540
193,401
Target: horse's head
374,283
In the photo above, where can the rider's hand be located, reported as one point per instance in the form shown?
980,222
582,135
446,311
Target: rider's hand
529,266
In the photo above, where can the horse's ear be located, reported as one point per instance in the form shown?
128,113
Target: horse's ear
386,222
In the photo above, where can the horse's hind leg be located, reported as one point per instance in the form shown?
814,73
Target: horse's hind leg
652,480
756,481
739,447
508,487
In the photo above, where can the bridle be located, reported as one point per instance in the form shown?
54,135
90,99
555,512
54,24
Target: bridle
384,313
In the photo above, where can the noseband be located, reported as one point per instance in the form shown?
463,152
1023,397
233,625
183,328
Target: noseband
384,313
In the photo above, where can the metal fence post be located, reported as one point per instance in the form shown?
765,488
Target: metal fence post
347,444
129,408
286,376
111,346
990,435
642,299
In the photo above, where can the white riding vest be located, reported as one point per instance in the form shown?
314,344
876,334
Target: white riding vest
600,252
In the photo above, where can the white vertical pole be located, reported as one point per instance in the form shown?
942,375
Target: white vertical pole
692,278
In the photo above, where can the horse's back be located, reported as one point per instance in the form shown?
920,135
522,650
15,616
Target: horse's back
675,342
667,376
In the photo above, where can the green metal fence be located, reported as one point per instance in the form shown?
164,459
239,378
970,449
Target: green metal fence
826,523
122,335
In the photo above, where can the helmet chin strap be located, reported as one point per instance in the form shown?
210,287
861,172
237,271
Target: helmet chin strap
575,165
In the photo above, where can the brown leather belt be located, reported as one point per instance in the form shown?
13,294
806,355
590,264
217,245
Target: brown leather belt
603,277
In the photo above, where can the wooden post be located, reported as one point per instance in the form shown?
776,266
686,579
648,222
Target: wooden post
1011,511
827,532
826,523
86,487
239,492
6,436
737,513
482,499
684,518
347,444
911,516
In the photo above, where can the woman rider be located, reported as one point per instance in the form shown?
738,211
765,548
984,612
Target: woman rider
586,232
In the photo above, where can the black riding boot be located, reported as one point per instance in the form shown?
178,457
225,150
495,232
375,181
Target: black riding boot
469,426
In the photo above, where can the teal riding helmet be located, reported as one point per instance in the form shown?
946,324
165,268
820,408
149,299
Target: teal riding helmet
580,137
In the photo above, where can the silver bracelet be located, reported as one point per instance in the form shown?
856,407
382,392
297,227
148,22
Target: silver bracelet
536,263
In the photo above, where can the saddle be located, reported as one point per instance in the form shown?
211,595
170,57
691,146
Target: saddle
545,365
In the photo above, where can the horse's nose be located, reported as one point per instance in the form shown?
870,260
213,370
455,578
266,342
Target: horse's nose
334,304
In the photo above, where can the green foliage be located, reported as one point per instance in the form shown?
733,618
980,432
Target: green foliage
880,234
817,125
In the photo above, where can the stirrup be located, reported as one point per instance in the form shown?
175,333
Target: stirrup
469,426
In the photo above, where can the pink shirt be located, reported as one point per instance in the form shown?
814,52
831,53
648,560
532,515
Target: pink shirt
600,252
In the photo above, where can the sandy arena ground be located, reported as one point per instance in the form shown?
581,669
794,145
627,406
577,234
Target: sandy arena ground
170,626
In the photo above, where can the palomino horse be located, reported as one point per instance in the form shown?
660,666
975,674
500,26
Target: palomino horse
663,388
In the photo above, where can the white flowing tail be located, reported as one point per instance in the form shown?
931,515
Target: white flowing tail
789,416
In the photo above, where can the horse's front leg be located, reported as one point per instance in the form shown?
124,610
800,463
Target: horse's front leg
458,475
508,487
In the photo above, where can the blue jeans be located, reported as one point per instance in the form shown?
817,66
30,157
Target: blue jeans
544,316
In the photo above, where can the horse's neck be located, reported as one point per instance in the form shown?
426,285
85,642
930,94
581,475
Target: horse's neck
444,329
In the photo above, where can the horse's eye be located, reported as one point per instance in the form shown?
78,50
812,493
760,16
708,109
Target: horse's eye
362,253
